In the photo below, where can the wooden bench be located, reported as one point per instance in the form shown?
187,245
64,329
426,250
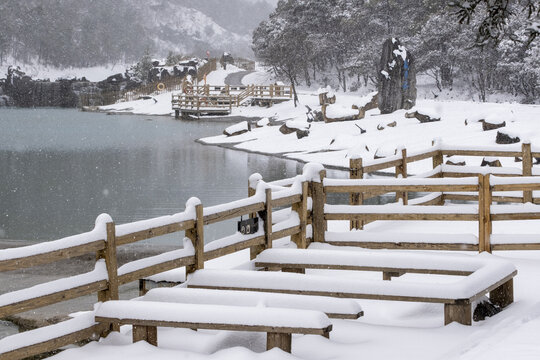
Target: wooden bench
332,307
485,274
279,324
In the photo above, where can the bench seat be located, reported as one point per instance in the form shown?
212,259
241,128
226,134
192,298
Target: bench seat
333,307
279,324
487,275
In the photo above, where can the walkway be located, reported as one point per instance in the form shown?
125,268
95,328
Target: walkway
235,79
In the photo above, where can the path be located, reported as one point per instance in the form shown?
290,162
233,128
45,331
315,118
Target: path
235,79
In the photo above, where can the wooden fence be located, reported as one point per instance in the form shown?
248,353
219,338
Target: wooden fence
107,276
290,207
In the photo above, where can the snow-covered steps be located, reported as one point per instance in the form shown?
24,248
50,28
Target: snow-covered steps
488,274
146,316
332,307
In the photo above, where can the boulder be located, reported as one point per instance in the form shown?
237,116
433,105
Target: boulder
422,116
452,160
492,162
397,78
486,126
237,129
392,124
503,138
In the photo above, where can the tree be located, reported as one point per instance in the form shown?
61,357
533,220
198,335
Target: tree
495,15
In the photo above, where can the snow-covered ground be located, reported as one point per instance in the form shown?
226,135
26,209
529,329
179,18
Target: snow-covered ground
40,71
388,330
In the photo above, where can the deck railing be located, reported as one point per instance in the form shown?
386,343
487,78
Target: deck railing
294,207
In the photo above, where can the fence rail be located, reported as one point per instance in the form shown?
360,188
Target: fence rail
305,198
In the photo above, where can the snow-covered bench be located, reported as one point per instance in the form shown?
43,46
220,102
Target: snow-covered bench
487,274
279,324
332,307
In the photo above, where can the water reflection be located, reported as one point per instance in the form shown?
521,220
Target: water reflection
61,168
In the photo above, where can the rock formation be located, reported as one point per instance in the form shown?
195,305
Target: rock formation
397,78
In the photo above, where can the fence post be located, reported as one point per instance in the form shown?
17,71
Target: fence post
109,255
301,209
196,235
437,158
481,214
356,171
268,219
252,185
319,199
487,213
402,170
527,169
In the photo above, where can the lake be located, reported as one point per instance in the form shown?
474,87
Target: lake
61,168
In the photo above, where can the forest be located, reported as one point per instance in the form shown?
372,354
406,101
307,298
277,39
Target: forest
490,46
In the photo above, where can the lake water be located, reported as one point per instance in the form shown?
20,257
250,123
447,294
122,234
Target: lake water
59,169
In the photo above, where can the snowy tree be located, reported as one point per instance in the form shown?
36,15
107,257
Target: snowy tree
495,14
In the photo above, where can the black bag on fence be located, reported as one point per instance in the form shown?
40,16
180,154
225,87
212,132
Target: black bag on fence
248,226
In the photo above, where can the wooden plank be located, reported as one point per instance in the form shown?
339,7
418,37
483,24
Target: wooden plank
356,172
286,201
396,216
494,286
503,295
376,167
280,340
233,213
153,232
487,213
215,326
285,232
51,256
258,241
361,268
399,188
527,169
55,343
423,156
481,214
462,197
499,153
516,187
460,313
408,246
268,219
34,303
300,208
196,235
319,199
334,294
155,269
517,246
516,216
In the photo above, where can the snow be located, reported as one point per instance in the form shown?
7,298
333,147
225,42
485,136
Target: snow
98,233
252,299
336,111
212,314
241,126
218,76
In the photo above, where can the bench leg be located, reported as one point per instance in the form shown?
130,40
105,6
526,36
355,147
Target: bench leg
145,333
279,340
503,295
291,270
388,275
460,313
